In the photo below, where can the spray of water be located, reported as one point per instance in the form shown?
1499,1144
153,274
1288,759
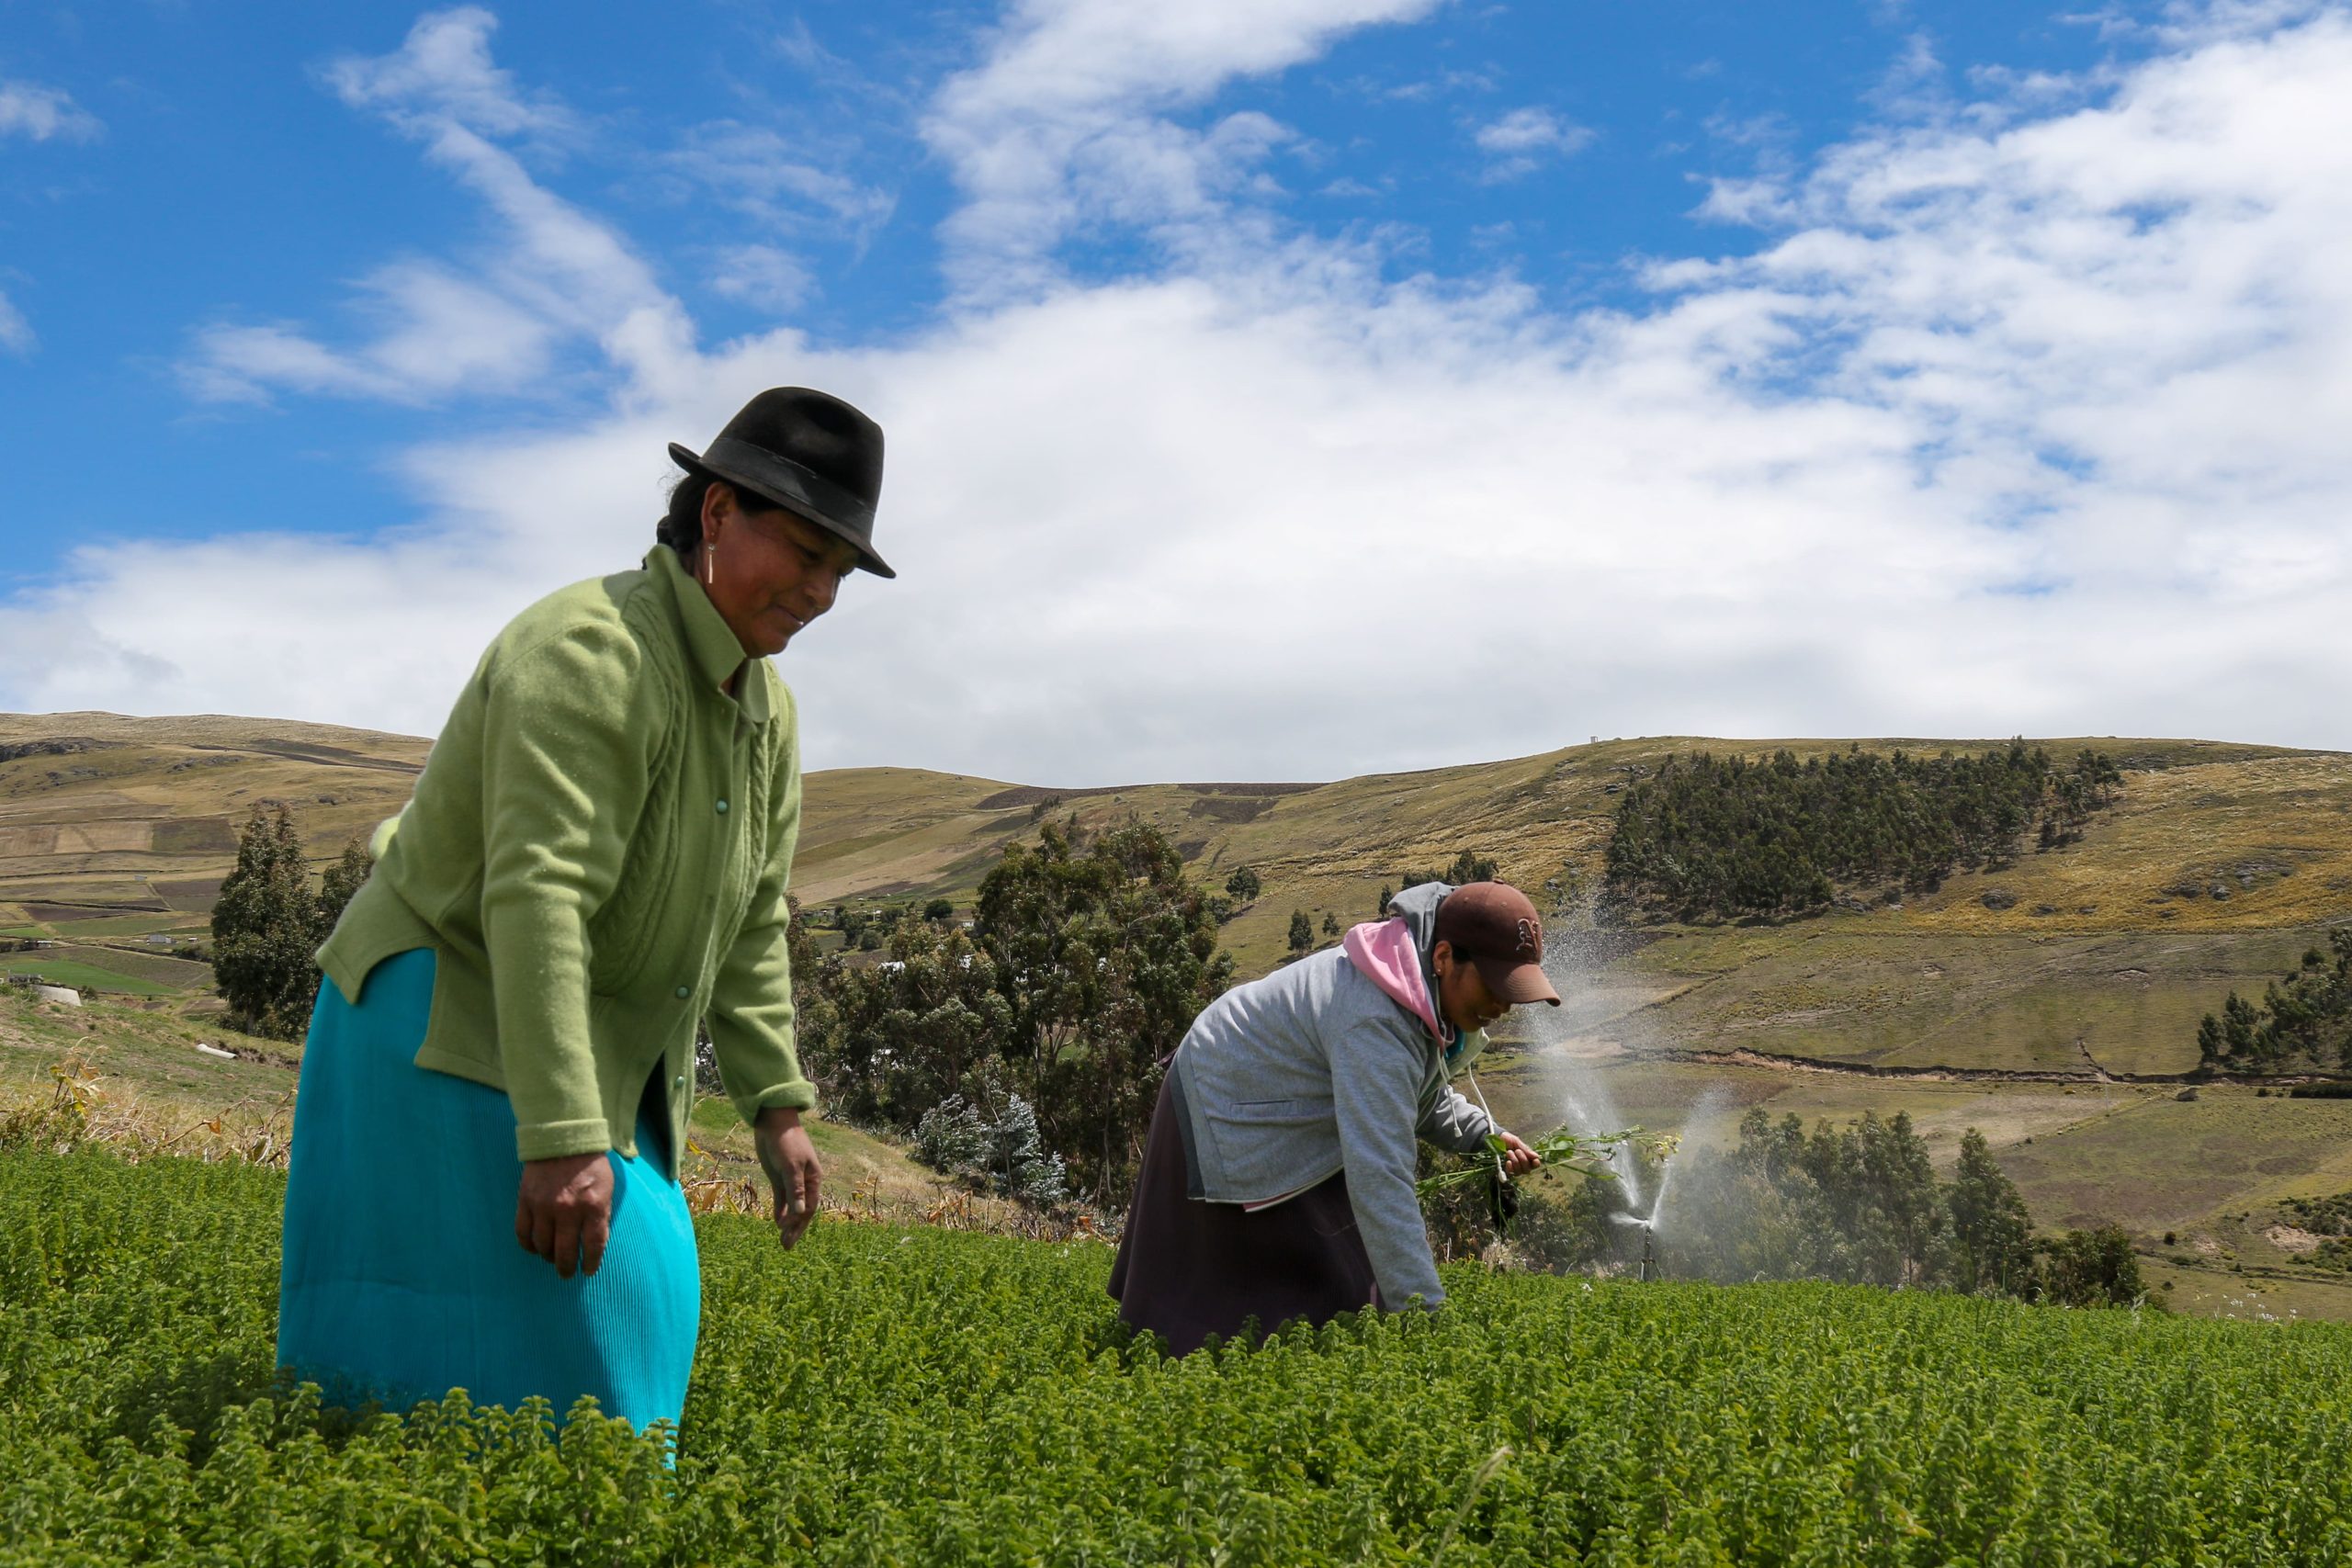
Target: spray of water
1576,1085
1712,1103
1576,1082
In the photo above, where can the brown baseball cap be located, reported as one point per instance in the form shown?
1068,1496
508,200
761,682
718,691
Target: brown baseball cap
1492,925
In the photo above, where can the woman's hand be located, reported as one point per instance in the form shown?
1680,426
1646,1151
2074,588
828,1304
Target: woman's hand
1518,1158
793,1175
565,1211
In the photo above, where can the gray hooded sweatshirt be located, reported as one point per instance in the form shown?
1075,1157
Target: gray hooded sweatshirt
1316,1068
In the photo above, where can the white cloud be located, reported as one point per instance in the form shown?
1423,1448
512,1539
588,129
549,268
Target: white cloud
2029,420
1069,121
442,333
756,172
554,273
1519,144
42,114
442,76
762,275
28,108
16,333
798,45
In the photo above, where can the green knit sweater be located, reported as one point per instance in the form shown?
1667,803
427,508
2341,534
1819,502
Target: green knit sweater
597,852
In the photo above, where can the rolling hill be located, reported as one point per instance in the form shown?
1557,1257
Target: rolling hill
2048,1013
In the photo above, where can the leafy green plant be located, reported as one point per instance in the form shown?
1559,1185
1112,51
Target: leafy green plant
1588,1154
1006,1156
883,1394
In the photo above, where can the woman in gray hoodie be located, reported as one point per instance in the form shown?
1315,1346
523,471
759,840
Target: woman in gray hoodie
1277,1180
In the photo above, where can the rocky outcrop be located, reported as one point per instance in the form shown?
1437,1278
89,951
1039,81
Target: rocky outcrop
61,746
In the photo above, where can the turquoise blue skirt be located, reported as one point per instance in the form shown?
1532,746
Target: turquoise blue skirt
402,1278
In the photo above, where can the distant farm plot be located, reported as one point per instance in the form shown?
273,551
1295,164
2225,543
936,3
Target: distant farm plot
2219,1293
2156,1162
2123,1002
158,968
195,893
87,966
81,977
195,836
130,925
138,902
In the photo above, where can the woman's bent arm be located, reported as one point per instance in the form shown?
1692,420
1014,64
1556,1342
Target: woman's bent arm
571,726
751,1004
1376,1097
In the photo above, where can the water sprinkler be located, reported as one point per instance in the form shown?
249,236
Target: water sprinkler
1648,1268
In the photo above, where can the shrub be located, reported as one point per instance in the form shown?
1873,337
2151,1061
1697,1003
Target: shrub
1006,1157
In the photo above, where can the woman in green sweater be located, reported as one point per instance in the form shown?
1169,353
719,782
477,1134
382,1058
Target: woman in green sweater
484,1192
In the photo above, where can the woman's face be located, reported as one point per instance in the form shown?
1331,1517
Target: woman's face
1461,991
770,573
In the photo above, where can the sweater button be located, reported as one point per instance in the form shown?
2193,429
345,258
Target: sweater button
685,991
678,1082
722,808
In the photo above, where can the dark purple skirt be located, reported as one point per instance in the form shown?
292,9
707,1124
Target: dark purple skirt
1188,1267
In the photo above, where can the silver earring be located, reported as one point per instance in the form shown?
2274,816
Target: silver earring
709,554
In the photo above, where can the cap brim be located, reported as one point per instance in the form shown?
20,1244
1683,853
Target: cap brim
1517,984
866,559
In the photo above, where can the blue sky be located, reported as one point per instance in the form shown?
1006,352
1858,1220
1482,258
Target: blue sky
1891,368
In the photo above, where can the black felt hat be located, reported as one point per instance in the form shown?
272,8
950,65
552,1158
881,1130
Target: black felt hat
810,453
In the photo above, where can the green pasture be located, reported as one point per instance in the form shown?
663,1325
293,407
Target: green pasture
2125,1002
2155,1163
153,967
128,971
2256,1297
81,974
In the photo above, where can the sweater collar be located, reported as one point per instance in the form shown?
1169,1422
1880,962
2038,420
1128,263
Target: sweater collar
710,641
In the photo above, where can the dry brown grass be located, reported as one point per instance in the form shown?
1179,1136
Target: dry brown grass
130,1081
714,1187
85,1108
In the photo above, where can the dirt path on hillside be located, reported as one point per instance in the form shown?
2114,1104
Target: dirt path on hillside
2097,1072
2092,1073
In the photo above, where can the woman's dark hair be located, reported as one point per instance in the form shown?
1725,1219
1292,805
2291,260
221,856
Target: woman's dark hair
681,526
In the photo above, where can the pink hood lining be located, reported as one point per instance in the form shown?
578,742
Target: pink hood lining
1383,950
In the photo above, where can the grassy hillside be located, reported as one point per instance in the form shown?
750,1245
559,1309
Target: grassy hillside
115,830
98,810
2089,964
2271,829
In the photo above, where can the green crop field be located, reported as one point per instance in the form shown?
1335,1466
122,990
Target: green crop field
154,967
126,926
884,1395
